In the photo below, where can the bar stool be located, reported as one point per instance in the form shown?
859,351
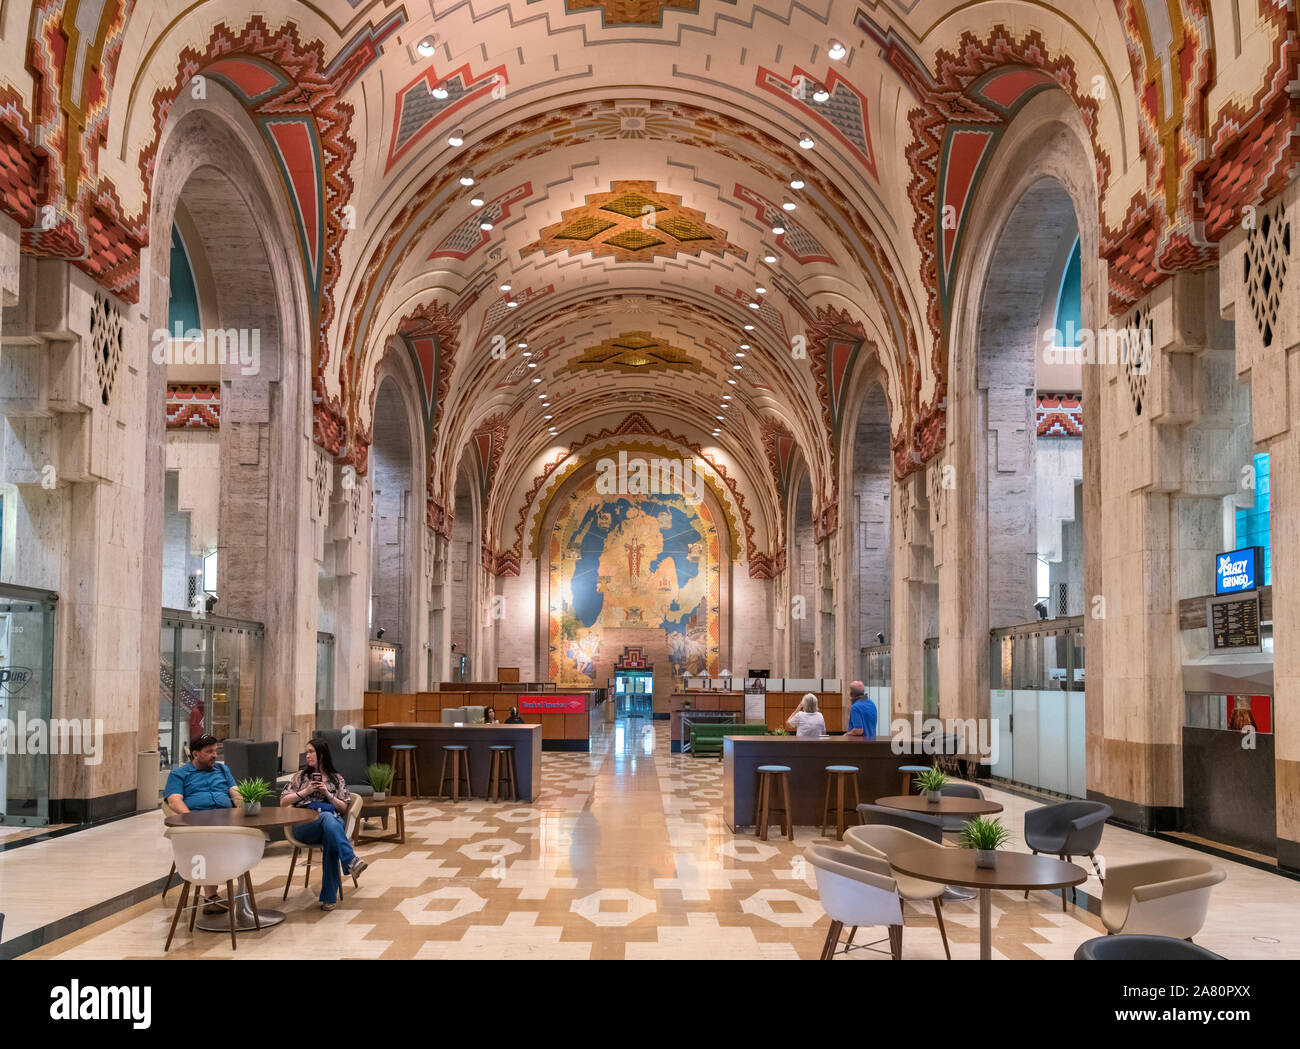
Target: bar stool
404,767
908,771
457,751
837,774
501,768
762,799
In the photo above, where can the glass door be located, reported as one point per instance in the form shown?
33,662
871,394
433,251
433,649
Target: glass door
26,703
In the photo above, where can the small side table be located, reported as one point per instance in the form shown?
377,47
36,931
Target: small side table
395,802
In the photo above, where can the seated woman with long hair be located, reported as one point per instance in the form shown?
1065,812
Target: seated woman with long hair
318,785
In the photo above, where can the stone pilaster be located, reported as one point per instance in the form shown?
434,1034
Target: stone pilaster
915,585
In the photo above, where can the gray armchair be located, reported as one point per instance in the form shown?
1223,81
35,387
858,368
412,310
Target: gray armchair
928,827
1136,948
247,759
354,762
958,789
1072,828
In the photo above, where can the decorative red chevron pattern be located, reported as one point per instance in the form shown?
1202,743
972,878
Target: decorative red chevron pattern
633,424
193,406
1059,415
489,440
780,447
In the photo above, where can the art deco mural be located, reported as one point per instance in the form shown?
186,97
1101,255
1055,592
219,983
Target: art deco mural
632,569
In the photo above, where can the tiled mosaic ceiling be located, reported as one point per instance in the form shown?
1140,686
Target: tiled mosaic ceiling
634,222
632,12
633,351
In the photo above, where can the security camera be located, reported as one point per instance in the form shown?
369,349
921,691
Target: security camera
379,634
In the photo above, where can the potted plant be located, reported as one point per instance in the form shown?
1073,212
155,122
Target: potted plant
252,791
930,783
985,836
381,777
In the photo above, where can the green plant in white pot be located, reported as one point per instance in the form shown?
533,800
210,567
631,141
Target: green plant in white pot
931,783
252,791
985,836
381,778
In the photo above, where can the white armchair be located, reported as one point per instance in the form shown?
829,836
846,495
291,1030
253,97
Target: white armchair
856,889
1159,897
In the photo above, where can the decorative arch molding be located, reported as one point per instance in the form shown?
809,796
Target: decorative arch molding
645,438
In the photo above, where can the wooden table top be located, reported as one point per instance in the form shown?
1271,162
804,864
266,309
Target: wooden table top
270,816
1014,870
393,801
945,806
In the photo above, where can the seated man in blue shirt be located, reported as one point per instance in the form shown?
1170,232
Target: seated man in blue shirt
862,714
202,783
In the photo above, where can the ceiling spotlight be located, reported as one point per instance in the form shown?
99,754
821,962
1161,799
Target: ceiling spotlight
726,396
740,356
456,138
796,182
806,141
541,396
837,51
749,327
735,367
821,94
467,179
548,417
485,226
528,353
475,202
426,46
537,380
769,258
511,303
439,92
778,229
744,345
754,306
731,382
718,417
789,205
522,346
532,364
506,287
760,290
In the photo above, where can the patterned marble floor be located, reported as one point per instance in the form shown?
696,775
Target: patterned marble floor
624,856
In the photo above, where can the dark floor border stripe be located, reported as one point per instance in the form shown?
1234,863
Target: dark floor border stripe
66,926
61,832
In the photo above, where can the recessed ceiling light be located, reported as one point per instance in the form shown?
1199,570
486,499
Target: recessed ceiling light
789,205
456,138
439,92
528,353
547,417
731,382
821,94
760,290
532,364
540,395
522,346
726,396
485,226
754,306
718,417
744,345
426,46
511,303
837,51
467,179
769,258
505,286
806,141
538,380
749,327
475,202
735,367
778,230
796,182
740,356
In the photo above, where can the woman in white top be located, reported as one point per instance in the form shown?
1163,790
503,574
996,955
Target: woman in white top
806,720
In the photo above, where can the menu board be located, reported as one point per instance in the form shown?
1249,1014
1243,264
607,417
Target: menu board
1234,623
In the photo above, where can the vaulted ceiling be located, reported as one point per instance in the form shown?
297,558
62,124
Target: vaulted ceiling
609,202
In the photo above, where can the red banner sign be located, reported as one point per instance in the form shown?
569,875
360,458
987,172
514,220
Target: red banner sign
552,704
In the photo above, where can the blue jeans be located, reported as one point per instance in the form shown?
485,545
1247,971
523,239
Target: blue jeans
328,833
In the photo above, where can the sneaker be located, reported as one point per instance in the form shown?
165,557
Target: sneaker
358,865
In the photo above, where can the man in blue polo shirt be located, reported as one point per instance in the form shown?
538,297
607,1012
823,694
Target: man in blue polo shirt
862,714
202,783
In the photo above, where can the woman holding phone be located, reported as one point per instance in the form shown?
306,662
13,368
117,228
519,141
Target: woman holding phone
318,785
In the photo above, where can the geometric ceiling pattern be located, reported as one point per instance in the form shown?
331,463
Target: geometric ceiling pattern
630,353
633,222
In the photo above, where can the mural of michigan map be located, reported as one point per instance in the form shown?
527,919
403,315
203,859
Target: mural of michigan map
632,564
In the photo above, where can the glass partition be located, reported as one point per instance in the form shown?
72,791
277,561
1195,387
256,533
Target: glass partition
210,681
877,675
385,664
26,702
1036,700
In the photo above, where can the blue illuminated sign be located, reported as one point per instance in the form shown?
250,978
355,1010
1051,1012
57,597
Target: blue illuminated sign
1236,570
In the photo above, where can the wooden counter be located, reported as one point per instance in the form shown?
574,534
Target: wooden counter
567,731
429,738
709,701
807,758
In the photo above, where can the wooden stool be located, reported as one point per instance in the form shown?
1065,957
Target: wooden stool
762,799
908,771
501,767
404,766
839,773
457,751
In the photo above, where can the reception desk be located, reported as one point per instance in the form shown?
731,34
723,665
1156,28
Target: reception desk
807,758
429,738
565,726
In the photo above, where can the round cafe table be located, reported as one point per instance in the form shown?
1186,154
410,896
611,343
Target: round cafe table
946,806
269,817
1013,870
